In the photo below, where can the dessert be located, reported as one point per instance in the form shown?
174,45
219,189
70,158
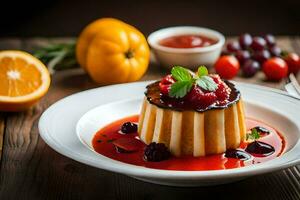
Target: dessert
193,114
192,122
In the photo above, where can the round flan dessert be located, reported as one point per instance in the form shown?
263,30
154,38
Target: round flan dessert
193,113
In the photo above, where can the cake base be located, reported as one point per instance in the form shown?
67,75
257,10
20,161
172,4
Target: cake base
191,132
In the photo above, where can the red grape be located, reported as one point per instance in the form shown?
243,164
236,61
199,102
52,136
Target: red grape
258,43
270,39
245,40
275,51
261,56
233,46
250,68
242,56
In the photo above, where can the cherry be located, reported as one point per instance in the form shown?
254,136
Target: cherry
260,148
238,154
129,127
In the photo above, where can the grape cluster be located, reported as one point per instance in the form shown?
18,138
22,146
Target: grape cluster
254,53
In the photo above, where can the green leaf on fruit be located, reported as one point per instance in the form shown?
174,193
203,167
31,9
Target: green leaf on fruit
181,74
254,135
202,71
185,80
180,88
207,83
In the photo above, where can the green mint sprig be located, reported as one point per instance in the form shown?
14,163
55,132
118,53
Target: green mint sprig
254,135
185,80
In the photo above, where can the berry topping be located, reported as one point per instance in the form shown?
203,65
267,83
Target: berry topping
201,99
223,90
129,127
238,154
198,90
165,84
155,152
260,148
127,145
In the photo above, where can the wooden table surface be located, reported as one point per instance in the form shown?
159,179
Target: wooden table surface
30,169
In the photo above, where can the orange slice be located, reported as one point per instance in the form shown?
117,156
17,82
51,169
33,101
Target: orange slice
23,80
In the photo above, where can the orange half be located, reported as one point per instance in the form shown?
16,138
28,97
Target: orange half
23,80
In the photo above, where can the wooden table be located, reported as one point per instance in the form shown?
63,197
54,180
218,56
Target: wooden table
30,169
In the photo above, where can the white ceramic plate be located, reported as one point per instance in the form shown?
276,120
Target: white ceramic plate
81,115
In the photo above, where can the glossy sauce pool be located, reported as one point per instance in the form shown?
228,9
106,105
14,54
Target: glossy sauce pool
103,144
187,41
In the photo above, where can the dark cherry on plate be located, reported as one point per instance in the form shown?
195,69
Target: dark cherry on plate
238,154
108,139
129,127
187,41
260,149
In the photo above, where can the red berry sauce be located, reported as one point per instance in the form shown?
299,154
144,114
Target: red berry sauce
187,41
108,141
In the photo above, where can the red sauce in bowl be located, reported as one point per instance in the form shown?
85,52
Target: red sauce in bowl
187,41
104,138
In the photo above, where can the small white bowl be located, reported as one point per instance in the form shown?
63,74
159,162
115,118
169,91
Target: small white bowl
188,57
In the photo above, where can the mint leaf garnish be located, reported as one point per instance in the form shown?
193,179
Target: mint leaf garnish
202,71
181,74
185,80
180,88
207,83
254,135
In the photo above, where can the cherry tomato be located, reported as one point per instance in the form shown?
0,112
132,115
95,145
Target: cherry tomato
275,69
227,66
293,62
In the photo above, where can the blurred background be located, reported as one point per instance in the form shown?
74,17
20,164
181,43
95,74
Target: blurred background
52,18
